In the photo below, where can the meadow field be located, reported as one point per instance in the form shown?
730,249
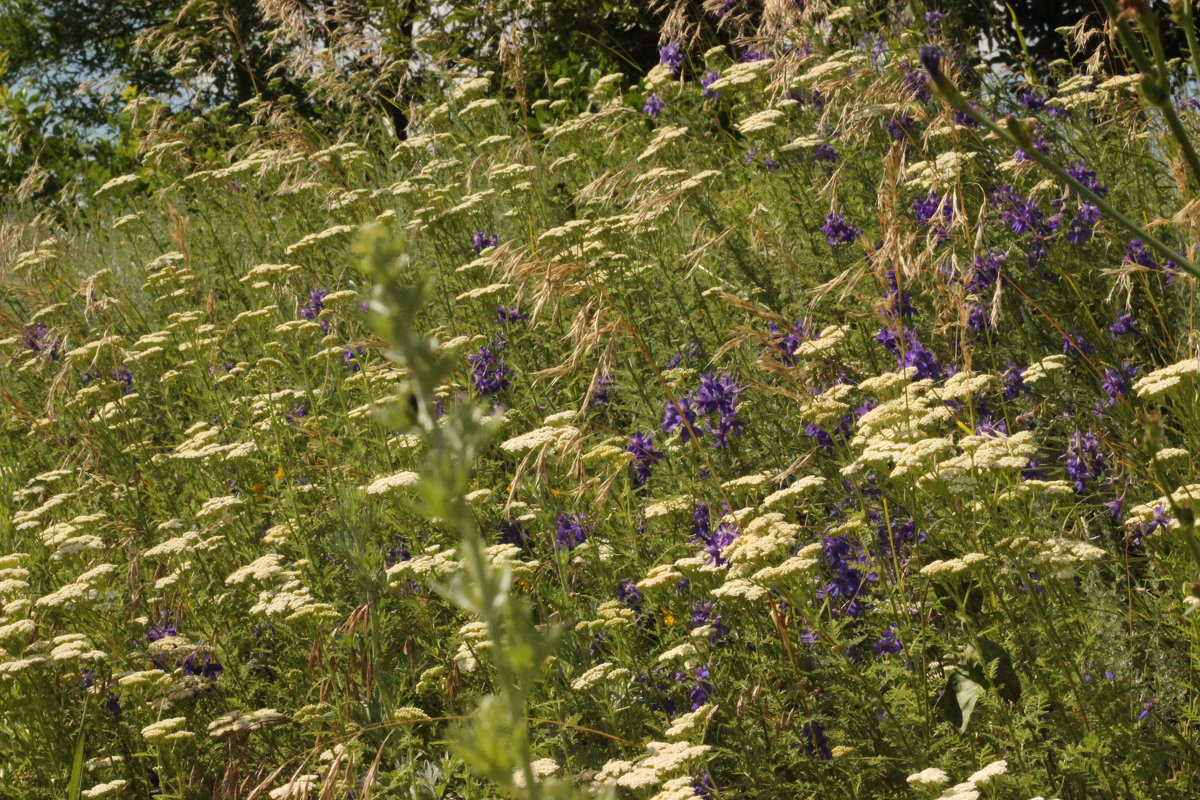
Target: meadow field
813,416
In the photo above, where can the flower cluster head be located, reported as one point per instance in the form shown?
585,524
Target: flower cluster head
482,241
489,374
38,340
654,105
509,314
671,57
716,399
315,304
710,77
641,445
839,232
569,531
1085,461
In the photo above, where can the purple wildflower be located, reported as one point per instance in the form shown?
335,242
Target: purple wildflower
710,77
839,232
887,643
1118,380
671,57
641,445
1013,382
315,304
509,314
654,105
569,531
1125,324
482,241
1085,461
489,374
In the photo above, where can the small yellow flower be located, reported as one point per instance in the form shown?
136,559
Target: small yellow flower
279,472
669,618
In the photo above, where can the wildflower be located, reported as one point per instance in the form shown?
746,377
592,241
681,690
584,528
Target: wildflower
38,340
901,127
824,153
1118,380
1085,460
1083,223
928,777
202,666
489,374
1087,177
654,105
482,241
718,396
671,57
710,77
820,436
1125,324
509,314
816,743
839,232
315,304
675,413
1136,253
1074,343
991,771
915,83
1013,383
641,445
569,531
601,393
887,642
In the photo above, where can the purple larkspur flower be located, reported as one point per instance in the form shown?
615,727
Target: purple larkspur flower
202,666
1137,253
1079,171
933,22
39,340
671,57
816,742
788,343
897,302
1124,324
1012,382
718,397
887,643
1021,215
914,82
839,232
1117,381
569,531
1085,461
481,241
641,445
1083,224
489,374
602,393
509,314
628,593
710,77
315,304
901,127
820,436
1075,344
653,105
824,153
